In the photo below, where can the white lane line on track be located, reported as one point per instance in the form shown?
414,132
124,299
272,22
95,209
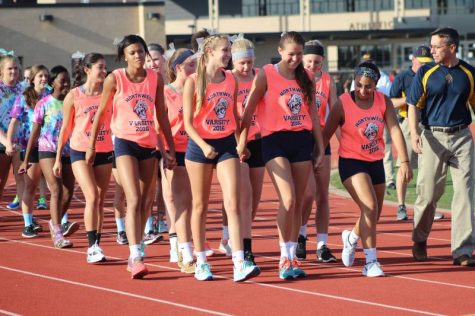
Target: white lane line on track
4,312
387,274
105,289
342,268
341,298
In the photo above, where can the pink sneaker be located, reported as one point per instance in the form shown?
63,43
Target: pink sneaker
137,268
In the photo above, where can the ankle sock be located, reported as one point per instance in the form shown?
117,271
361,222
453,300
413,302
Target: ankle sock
186,251
28,219
173,240
91,237
370,255
65,218
148,225
120,222
321,240
284,250
225,233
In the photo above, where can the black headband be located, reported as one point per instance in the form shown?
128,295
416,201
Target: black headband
313,49
181,58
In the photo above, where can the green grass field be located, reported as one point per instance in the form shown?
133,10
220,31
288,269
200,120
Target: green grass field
444,202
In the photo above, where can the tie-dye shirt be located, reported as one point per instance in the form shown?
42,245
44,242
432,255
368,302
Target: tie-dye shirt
8,94
24,114
49,114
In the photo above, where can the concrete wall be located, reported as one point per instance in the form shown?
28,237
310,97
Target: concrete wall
85,28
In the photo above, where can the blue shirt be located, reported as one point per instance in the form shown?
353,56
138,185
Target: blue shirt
442,94
401,86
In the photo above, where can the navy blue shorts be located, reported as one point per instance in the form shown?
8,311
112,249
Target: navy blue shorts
34,158
225,147
295,146
49,154
255,148
100,159
350,167
124,147
328,150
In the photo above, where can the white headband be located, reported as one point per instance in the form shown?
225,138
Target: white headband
243,54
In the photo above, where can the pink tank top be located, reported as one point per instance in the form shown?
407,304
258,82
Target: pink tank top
174,104
243,93
216,117
362,132
322,97
85,108
284,107
133,112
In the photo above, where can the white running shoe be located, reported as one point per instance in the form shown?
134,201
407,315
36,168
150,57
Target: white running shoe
225,248
173,255
95,254
203,272
348,252
373,269
245,270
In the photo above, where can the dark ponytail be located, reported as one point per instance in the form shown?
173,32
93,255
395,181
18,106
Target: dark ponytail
79,75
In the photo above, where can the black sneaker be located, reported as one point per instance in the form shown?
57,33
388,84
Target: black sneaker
36,226
122,238
391,186
248,256
29,232
69,228
401,213
301,251
324,254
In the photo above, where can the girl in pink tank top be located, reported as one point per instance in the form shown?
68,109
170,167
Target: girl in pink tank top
252,167
79,109
211,121
136,97
318,185
176,183
361,116
289,124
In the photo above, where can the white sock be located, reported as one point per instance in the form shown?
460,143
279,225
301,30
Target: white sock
65,218
148,225
303,230
225,233
353,238
134,251
292,249
370,254
284,252
200,257
120,222
186,251
321,240
173,244
238,256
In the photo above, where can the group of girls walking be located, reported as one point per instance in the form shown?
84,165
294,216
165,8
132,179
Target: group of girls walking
205,118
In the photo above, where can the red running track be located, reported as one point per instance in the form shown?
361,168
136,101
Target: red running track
36,279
